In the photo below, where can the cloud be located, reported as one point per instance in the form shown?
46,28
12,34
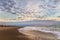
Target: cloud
30,8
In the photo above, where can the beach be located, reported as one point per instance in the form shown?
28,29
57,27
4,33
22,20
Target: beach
14,33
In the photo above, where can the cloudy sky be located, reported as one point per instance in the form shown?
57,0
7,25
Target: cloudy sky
18,9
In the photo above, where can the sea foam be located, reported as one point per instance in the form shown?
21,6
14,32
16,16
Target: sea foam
57,33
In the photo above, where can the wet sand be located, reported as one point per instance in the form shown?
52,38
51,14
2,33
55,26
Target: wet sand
12,33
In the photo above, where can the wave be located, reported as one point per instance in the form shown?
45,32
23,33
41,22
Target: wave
57,33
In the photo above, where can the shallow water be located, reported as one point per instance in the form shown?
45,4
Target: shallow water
43,29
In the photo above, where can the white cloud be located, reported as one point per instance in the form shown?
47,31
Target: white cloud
37,9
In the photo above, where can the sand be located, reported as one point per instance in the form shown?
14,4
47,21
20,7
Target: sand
11,33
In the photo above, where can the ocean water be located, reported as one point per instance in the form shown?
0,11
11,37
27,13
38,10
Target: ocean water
43,29
33,23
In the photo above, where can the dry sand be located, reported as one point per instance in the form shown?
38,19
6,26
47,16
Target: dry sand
11,33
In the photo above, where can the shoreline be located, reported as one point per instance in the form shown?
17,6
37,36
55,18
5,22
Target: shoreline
56,33
13,33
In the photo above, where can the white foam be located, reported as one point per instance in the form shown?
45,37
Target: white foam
41,29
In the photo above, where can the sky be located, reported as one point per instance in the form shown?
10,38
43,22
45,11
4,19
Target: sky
29,9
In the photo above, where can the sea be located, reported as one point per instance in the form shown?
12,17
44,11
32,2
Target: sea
53,30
